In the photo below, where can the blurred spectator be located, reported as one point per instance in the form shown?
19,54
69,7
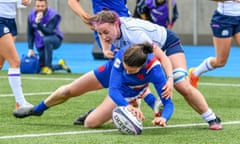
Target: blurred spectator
43,30
161,12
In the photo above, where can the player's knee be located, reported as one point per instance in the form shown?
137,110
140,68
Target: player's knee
221,63
15,63
89,123
179,75
65,91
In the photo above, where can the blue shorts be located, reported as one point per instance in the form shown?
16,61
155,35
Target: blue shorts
224,26
8,26
103,72
172,44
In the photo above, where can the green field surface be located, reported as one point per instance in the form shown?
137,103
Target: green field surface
55,126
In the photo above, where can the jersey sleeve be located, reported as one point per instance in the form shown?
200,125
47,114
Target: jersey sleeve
159,80
116,81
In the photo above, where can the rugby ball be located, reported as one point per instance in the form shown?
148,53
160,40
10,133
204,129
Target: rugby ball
126,122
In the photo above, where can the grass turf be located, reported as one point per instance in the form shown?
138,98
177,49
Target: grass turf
55,125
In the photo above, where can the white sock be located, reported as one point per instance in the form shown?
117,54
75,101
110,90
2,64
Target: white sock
16,85
208,115
203,67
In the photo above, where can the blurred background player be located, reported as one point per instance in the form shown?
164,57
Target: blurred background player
43,30
161,12
8,52
225,25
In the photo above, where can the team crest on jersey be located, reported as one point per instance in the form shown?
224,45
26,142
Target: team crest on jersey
225,33
117,63
5,30
101,68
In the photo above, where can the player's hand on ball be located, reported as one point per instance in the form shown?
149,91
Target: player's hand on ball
160,121
137,112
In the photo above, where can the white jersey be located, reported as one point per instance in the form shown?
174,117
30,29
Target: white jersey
137,31
8,8
229,8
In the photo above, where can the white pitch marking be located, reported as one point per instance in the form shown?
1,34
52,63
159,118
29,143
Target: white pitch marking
70,79
106,131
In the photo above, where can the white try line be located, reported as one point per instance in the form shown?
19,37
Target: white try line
71,79
41,78
48,93
106,131
27,94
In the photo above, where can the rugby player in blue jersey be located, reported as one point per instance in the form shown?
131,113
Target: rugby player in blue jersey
130,76
120,7
98,78
127,77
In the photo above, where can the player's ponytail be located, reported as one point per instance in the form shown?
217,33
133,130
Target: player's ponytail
147,48
136,55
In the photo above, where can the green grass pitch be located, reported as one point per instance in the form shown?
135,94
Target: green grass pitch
55,126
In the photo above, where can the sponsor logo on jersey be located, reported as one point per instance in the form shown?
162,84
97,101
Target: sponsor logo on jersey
6,30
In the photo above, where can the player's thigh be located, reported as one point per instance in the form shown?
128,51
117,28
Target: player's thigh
237,38
101,114
85,83
2,59
8,50
222,47
178,60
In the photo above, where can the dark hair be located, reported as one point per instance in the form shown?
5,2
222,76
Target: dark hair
136,55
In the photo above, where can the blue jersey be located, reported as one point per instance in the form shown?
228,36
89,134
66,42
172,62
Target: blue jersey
124,88
119,6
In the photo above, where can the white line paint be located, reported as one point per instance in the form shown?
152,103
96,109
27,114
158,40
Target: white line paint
106,131
27,94
70,79
219,84
102,131
41,78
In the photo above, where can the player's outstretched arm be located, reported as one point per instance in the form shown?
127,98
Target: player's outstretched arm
79,11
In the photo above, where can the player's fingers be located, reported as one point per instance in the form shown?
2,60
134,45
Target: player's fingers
166,92
139,114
